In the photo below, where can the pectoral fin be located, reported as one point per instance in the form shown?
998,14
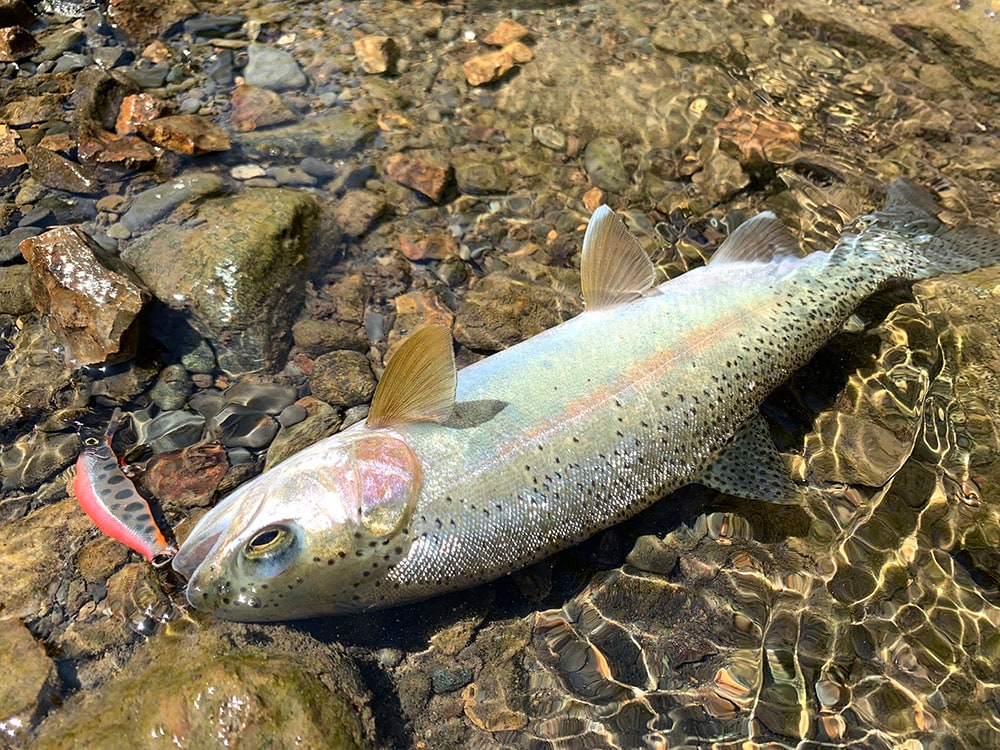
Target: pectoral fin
751,467
419,382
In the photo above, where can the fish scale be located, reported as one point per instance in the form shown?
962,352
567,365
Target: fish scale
559,436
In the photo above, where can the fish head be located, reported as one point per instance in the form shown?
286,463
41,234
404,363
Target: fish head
316,534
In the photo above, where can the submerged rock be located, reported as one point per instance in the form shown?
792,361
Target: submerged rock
238,268
30,685
328,136
222,689
91,308
273,69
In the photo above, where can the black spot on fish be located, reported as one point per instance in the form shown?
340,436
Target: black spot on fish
123,494
115,478
149,529
133,507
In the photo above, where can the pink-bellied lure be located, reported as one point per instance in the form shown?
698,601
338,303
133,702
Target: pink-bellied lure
111,500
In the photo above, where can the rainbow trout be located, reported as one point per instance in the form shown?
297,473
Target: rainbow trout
459,478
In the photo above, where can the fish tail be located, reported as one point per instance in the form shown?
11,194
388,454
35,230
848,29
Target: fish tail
906,239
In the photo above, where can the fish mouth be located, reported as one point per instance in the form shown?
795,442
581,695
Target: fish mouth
204,538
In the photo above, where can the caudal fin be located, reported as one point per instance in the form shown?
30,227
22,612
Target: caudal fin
911,243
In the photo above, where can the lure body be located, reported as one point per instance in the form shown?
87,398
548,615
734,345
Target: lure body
111,500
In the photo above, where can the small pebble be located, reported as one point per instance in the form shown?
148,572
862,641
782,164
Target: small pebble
246,172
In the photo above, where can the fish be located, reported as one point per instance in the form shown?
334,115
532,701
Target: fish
110,498
458,478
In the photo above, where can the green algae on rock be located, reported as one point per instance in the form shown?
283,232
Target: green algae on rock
296,693
239,267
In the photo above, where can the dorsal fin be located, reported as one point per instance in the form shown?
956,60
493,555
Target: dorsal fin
419,382
613,266
761,238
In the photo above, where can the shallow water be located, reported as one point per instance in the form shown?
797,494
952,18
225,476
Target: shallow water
870,615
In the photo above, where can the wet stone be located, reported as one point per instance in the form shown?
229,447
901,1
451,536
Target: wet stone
605,164
475,177
186,478
103,148
226,689
377,54
98,559
172,388
169,430
137,109
318,336
153,204
549,136
33,109
449,680
16,43
146,20
35,458
149,76
33,373
342,378
358,211
30,686
15,290
240,273
185,134
492,66
507,31
424,172
57,172
273,69
91,308
255,107
269,398
328,136
99,94
428,245
237,426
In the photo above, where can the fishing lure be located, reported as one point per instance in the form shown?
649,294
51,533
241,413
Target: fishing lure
111,500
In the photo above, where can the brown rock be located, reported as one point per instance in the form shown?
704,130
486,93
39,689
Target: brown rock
10,153
420,171
30,684
593,199
757,139
315,337
358,211
254,107
96,146
507,31
185,134
61,143
16,13
187,477
16,43
98,559
377,54
415,310
146,20
98,95
492,66
428,246
137,109
15,292
54,171
342,378
90,308
33,109
157,51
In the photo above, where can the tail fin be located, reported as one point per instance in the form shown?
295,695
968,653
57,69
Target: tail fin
910,241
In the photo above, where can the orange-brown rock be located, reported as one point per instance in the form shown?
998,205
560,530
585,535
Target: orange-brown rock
137,109
11,154
16,43
414,310
98,146
185,134
507,31
492,66
756,138
54,171
377,54
89,307
420,171
255,107
428,246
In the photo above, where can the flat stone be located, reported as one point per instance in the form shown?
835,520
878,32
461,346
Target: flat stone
33,109
153,204
605,164
15,290
127,152
316,337
191,135
428,245
237,269
329,136
137,109
377,54
492,66
254,107
273,69
481,177
91,308
57,172
11,155
16,43
357,211
30,686
421,171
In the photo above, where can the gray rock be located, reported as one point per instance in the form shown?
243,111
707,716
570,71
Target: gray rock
149,76
268,398
291,175
9,249
321,421
605,164
549,136
273,69
329,136
237,426
172,388
343,378
152,205
236,269
316,337
318,168
475,177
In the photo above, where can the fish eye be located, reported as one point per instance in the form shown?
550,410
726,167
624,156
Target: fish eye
267,541
91,441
